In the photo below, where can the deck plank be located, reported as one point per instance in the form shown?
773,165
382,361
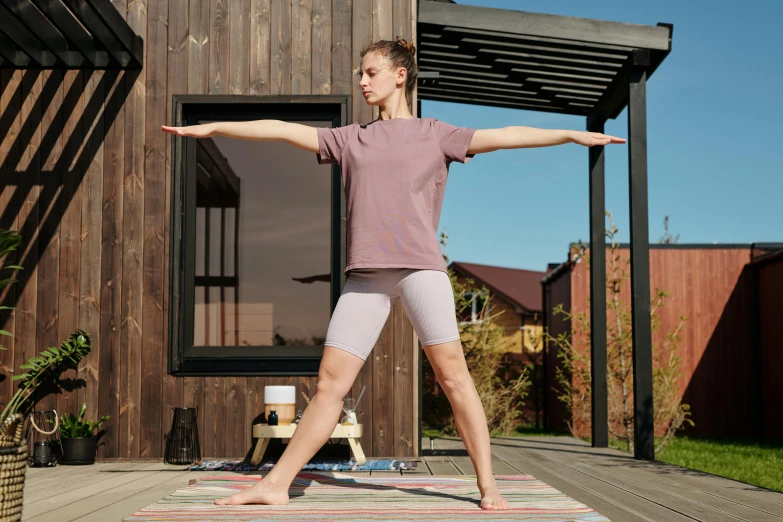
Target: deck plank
742,510
708,508
597,468
40,478
500,467
607,500
81,477
77,500
676,502
739,492
610,501
443,468
142,495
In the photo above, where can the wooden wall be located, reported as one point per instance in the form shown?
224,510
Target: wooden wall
713,288
86,180
770,307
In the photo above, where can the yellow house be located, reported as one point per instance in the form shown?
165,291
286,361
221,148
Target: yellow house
513,291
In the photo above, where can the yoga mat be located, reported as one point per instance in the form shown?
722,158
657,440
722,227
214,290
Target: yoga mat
341,496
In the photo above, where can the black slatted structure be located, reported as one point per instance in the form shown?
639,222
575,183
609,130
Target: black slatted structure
565,65
532,61
66,34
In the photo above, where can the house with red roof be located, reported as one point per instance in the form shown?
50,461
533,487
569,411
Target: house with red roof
513,291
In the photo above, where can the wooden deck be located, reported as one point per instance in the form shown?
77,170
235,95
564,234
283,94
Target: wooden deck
609,481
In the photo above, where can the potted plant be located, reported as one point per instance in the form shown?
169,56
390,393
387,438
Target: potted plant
80,442
41,378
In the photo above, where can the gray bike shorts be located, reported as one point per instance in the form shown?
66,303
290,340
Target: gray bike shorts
369,294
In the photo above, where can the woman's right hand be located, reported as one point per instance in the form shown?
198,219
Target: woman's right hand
194,131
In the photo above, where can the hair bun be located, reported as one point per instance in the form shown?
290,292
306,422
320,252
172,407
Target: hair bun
409,46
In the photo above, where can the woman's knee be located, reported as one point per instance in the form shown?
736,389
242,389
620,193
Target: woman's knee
337,373
455,382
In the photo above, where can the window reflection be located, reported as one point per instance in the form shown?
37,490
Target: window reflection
262,267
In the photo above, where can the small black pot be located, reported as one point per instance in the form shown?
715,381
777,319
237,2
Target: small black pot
80,450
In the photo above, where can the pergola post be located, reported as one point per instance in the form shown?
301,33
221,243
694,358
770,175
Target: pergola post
644,443
600,426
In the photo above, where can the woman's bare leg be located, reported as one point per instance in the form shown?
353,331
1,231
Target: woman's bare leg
336,375
451,370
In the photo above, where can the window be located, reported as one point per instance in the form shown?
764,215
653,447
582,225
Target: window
258,248
478,300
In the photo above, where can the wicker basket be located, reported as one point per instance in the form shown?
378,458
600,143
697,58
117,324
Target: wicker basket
13,465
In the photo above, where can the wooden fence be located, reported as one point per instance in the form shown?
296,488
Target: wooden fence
731,357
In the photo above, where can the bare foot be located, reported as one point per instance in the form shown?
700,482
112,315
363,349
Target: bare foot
258,494
491,499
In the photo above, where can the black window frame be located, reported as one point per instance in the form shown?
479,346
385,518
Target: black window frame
185,359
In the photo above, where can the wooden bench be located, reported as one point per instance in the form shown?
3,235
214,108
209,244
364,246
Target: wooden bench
264,432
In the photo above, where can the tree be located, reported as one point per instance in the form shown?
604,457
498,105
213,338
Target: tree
667,238
574,376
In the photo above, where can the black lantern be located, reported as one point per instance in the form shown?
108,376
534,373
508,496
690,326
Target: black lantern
47,447
182,445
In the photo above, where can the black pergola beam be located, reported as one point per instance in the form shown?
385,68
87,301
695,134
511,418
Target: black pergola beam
598,369
13,57
615,97
644,443
26,41
52,39
536,24
66,34
71,28
552,55
125,50
427,95
132,42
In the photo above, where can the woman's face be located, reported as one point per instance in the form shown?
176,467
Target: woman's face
377,80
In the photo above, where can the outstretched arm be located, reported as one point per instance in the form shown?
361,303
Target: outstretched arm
302,136
515,137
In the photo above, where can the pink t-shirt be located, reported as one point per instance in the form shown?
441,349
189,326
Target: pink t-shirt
394,175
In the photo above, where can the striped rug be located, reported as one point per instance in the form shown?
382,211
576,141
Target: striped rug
342,496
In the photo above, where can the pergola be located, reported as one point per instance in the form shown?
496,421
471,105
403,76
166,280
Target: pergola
66,34
566,65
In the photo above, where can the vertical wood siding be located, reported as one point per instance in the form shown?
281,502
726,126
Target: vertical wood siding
86,180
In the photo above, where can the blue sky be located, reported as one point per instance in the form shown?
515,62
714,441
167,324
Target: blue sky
715,141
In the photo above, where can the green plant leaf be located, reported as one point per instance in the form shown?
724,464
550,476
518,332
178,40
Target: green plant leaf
6,282
45,370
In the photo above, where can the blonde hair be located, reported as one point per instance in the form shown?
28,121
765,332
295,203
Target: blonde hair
400,53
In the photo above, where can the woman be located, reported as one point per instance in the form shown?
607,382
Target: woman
394,174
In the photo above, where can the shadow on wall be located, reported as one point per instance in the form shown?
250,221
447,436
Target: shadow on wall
721,391
59,182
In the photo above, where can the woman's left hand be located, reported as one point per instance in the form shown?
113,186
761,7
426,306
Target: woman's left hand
588,139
